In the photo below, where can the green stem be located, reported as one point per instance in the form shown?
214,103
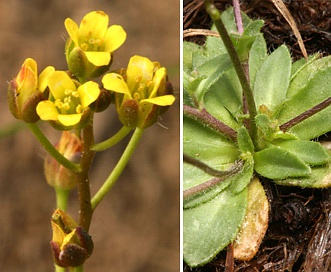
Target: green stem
117,171
59,269
216,17
52,150
61,198
113,140
77,269
85,212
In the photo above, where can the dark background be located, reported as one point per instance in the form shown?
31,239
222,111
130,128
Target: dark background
136,227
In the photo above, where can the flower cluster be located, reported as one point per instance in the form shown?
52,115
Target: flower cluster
66,98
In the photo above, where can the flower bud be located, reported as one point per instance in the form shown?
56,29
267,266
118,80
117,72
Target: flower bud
142,92
71,147
80,66
25,91
103,101
71,245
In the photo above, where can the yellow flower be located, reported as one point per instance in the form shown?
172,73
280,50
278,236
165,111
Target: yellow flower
25,91
67,104
89,49
142,92
71,147
71,245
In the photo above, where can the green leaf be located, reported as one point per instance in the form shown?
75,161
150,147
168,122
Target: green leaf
302,63
307,89
193,175
207,146
234,184
310,152
245,142
320,177
210,227
277,163
272,79
207,74
224,99
257,55
243,43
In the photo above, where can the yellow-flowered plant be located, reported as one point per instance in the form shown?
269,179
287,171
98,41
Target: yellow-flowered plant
68,100
67,103
90,46
142,92
26,91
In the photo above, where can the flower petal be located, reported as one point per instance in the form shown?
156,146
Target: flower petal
88,93
98,58
69,120
165,100
72,30
58,82
160,75
47,110
114,38
93,26
140,69
43,77
115,82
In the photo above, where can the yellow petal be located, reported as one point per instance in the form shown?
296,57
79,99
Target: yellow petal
88,93
115,82
93,26
98,58
69,238
58,234
165,100
114,38
72,30
43,77
58,82
139,69
69,120
159,76
47,110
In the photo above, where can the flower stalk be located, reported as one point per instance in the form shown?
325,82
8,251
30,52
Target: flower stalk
216,17
85,214
117,171
51,149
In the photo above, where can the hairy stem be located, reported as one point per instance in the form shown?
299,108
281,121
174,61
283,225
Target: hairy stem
220,176
237,15
216,17
308,113
204,117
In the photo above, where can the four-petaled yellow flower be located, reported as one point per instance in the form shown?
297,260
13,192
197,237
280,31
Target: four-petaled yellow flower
25,91
67,104
142,92
89,49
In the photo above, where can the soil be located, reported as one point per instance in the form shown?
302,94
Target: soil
299,235
136,227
